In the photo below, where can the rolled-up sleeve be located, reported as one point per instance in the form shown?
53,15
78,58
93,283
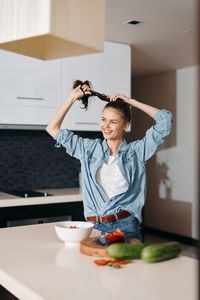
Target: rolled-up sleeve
74,144
154,136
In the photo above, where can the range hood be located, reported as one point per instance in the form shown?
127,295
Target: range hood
49,29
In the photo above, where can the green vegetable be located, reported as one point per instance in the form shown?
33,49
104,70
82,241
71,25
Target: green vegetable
124,251
160,252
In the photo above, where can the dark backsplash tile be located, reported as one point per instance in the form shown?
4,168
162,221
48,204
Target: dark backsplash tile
29,160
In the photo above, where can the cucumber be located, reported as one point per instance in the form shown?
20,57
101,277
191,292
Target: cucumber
160,252
124,251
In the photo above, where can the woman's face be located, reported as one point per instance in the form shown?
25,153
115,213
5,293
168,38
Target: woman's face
113,124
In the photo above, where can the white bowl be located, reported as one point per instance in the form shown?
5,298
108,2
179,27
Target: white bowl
68,234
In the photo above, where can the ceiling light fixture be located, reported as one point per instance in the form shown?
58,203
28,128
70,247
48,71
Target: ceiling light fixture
133,22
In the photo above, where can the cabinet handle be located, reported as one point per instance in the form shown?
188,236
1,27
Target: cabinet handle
30,98
86,123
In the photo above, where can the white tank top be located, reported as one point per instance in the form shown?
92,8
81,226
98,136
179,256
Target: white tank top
110,178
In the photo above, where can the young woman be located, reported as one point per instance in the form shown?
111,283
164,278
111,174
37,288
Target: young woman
113,171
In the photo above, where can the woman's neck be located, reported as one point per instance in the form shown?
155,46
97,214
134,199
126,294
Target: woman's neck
114,146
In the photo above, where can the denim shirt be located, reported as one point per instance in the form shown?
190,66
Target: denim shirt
133,156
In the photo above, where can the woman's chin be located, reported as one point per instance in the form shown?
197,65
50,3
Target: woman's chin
107,136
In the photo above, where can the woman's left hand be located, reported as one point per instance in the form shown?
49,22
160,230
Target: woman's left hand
114,97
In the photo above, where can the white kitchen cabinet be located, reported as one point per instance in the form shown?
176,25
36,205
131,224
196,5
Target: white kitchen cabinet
30,89
116,69
85,67
109,72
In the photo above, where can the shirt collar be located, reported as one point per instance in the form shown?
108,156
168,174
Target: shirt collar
122,146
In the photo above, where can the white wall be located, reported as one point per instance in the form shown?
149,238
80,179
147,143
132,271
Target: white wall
182,160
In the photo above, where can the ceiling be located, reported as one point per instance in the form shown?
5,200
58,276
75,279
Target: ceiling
165,40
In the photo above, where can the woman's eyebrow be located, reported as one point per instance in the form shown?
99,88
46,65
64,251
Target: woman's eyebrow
115,120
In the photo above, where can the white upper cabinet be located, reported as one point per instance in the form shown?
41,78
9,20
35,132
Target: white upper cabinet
116,69
85,67
29,88
109,72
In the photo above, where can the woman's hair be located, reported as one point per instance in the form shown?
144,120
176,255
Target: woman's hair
119,104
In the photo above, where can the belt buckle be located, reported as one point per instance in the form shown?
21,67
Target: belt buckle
116,217
99,219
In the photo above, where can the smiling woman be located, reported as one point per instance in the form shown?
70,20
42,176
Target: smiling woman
113,172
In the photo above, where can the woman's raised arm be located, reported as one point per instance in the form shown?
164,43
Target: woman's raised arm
56,122
149,110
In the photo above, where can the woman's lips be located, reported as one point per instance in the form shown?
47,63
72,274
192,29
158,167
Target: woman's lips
107,131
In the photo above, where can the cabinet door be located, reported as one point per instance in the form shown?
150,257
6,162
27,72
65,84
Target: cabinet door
116,69
85,67
29,89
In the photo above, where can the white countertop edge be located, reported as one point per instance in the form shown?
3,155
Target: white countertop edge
41,200
16,288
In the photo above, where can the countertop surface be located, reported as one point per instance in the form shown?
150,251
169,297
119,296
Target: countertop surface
35,264
58,196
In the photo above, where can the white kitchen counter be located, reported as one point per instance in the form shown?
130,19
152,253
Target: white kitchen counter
59,196
36,265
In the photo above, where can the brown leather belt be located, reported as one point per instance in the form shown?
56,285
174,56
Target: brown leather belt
110,218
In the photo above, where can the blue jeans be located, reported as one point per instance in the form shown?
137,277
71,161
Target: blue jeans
130,226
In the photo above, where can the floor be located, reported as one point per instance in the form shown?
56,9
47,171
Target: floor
187,250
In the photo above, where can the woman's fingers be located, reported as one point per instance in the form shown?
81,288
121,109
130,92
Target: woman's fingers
78,87
114,97
77,93
87,93
86,88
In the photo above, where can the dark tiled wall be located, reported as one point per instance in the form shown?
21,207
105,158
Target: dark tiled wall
29,160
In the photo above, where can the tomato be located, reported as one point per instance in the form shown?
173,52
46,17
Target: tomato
103,262
115,236
73,227
111,262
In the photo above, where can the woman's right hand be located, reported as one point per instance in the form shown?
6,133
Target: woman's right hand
78,92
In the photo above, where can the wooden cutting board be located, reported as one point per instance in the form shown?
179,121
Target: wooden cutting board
91,246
